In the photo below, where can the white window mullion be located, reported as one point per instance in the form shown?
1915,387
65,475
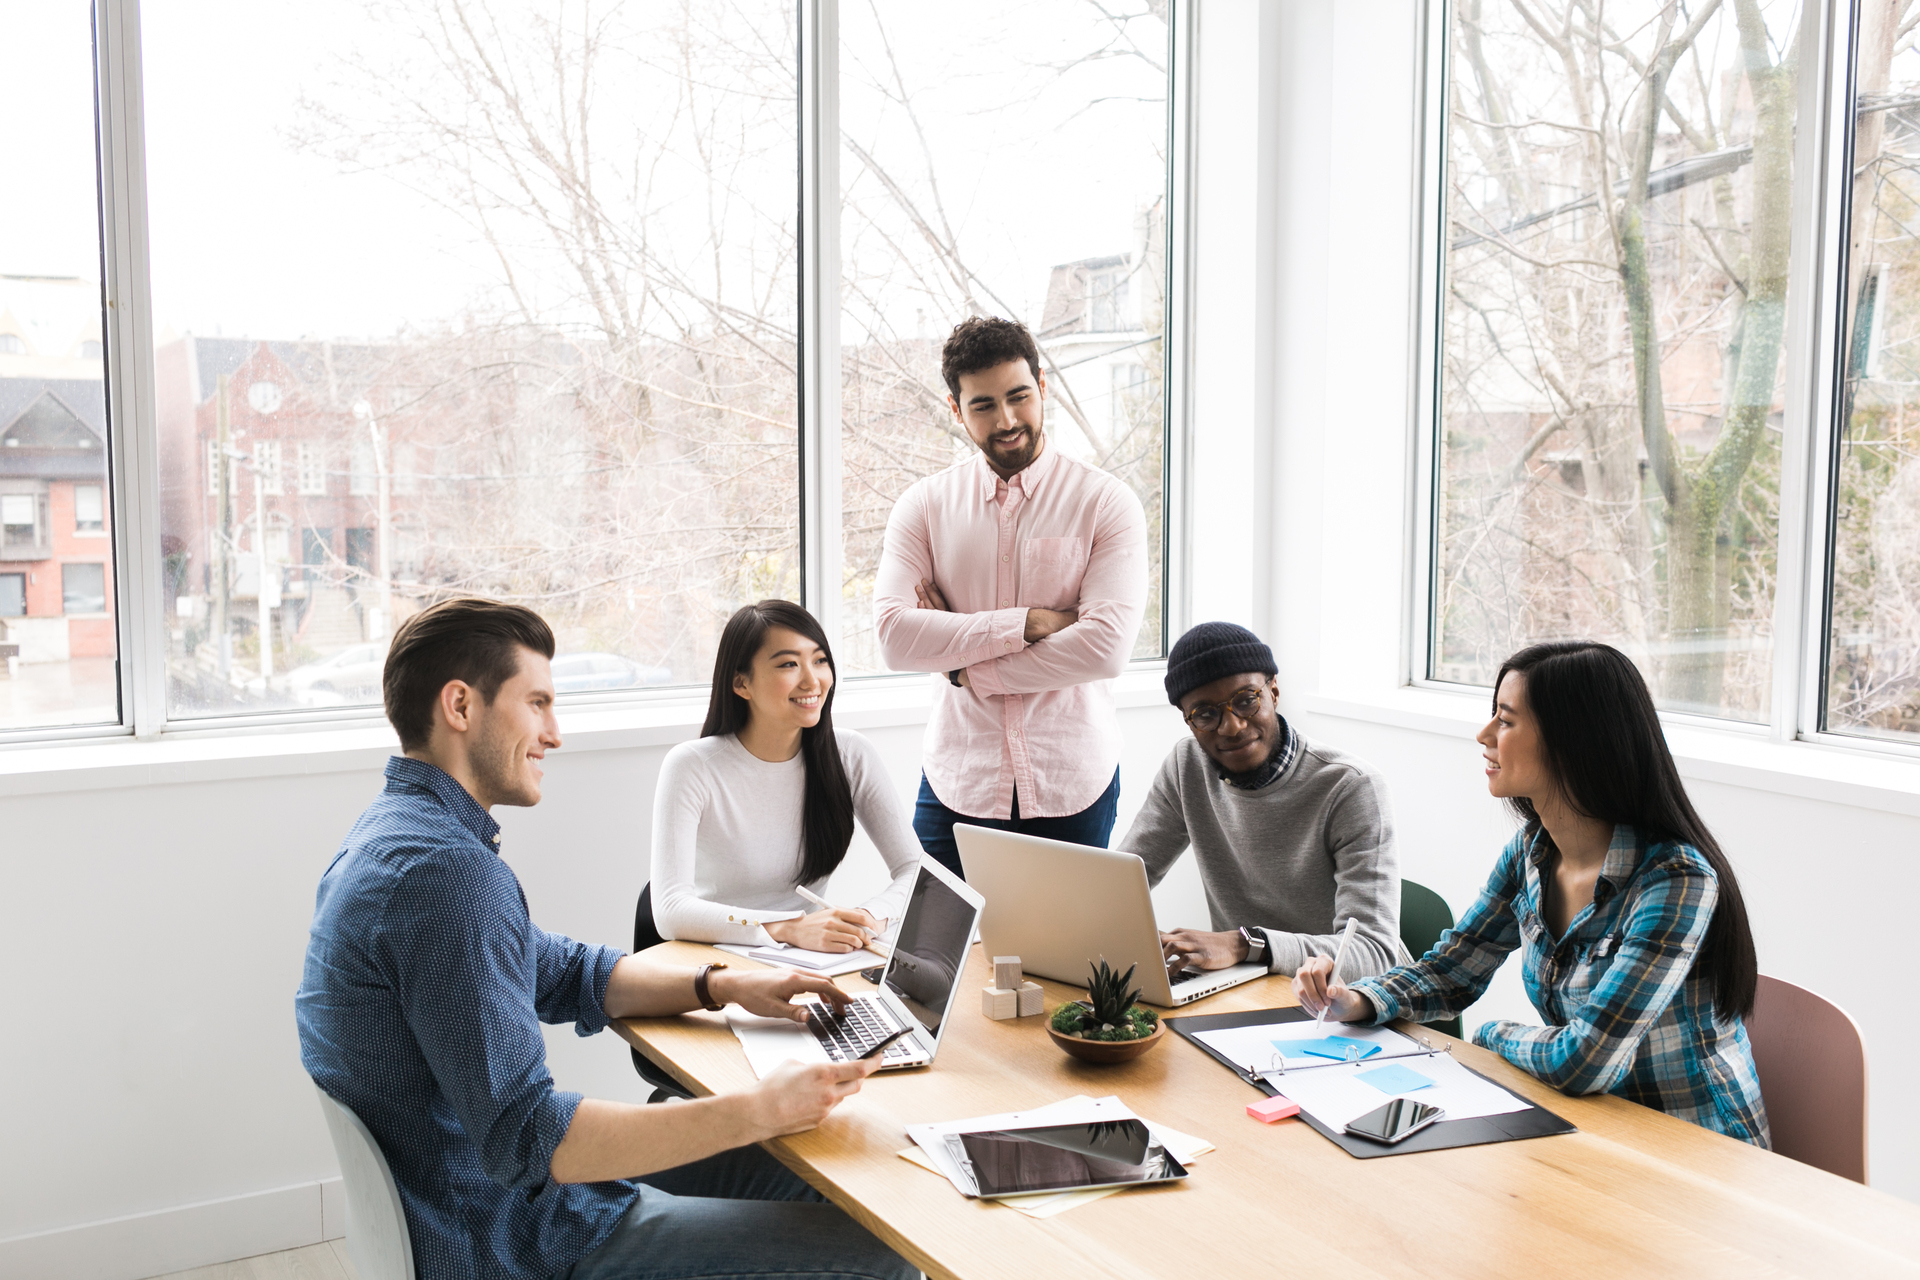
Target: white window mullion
1813,370
1177,477
820,540
1429,249
135,488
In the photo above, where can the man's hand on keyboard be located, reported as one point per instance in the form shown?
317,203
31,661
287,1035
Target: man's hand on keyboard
797,1096
770,992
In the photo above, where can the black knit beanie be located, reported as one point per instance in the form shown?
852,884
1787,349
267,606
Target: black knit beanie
1213,650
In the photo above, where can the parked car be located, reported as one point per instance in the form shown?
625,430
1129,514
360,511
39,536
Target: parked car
351,675
580,672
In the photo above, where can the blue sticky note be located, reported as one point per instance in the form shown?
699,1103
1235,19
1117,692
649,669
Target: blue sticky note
1395,1079
1334,1047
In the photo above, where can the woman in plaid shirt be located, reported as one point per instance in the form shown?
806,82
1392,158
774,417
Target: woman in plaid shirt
1630,923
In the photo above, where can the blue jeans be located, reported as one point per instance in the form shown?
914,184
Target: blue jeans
740,1213
933,823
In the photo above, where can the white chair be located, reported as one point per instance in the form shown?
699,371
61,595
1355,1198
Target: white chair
377,1238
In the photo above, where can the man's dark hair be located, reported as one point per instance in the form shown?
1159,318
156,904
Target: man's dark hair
468,639
981,342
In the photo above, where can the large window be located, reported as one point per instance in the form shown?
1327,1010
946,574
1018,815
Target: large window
441,298
451,299
1873,635
1021,175
1620,449
59,634
1620,186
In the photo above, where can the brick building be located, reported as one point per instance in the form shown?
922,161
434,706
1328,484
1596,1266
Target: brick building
56,572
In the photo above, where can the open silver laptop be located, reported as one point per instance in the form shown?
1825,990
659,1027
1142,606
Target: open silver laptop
1060,907
917,987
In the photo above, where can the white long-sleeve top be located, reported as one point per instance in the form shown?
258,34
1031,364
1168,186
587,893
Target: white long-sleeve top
727,838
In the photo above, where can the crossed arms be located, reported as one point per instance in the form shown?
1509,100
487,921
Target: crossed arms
1013,650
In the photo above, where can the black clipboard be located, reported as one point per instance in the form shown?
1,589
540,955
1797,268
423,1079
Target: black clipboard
1535,1122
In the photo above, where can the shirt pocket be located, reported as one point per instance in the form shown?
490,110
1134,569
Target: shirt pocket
1586,969
1050,572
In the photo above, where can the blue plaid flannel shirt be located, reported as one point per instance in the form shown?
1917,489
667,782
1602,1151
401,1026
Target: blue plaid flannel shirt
1625,1013
420,1009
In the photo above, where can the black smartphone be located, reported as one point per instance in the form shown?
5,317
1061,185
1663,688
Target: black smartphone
1395,1122
874,974
879,1046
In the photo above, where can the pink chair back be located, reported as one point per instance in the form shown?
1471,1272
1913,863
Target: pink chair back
1813,1076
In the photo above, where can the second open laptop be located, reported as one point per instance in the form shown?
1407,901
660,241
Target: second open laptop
917,989
1060,907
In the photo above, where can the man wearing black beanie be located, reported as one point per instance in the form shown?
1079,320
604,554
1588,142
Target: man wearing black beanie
1292,837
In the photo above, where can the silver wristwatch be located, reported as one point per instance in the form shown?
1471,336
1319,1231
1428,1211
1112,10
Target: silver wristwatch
1256,940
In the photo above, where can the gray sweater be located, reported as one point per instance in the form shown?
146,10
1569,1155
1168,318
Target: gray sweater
1296,857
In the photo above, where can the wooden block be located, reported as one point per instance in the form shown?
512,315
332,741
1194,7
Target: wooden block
998,1003
1032,999
1006,973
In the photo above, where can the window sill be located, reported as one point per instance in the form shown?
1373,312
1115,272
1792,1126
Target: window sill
210,753
1851,775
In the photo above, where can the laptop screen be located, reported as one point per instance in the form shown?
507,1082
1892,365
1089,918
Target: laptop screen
930,950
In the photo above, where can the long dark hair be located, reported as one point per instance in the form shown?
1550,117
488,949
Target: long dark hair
826,819
1605,750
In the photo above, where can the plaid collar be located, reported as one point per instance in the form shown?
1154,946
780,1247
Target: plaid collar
1277,763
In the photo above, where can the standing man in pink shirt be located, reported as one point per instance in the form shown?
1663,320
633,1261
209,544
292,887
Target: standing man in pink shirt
1020,574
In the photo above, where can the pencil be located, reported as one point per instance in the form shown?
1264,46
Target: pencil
874,944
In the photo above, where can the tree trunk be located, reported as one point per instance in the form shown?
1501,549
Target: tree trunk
1699,594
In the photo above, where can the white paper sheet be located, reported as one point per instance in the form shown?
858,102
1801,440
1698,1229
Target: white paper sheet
825,964
1336,1096
1252,1048
768,1042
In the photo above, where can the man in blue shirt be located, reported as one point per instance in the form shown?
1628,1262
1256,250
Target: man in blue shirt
426,981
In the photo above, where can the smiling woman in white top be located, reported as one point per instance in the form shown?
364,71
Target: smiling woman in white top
764,801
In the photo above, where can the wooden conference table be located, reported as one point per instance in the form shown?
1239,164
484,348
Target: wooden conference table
1633,1193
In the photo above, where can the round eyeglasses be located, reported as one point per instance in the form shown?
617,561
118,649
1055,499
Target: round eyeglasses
1245,705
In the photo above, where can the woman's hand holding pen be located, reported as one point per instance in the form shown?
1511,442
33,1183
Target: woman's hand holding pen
834,929
1315,989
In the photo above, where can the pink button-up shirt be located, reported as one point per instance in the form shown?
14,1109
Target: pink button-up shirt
1061,534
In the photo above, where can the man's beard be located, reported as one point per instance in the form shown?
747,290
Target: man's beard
1020,461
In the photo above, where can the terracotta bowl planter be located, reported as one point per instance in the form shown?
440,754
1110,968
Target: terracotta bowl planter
1108,1051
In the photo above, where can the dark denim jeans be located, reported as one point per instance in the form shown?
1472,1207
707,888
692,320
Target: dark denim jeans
740,1213
933,823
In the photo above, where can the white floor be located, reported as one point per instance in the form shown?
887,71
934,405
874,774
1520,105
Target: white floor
315,1262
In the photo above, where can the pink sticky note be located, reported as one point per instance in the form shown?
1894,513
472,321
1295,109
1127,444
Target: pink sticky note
1267,1110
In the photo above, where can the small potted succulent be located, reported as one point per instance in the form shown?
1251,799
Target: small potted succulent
1107,1026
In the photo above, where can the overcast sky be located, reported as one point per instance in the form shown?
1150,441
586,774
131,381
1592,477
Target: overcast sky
249,235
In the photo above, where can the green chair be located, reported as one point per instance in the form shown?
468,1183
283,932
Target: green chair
1424,916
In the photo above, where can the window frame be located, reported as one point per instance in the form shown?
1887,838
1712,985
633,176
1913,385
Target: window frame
1813,349
131,497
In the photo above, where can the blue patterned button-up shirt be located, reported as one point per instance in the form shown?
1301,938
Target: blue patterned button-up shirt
1625,1012
419,1009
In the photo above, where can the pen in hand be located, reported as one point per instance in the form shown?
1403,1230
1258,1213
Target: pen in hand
874,944
1339,954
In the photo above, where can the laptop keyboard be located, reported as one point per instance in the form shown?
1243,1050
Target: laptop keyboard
863,1022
